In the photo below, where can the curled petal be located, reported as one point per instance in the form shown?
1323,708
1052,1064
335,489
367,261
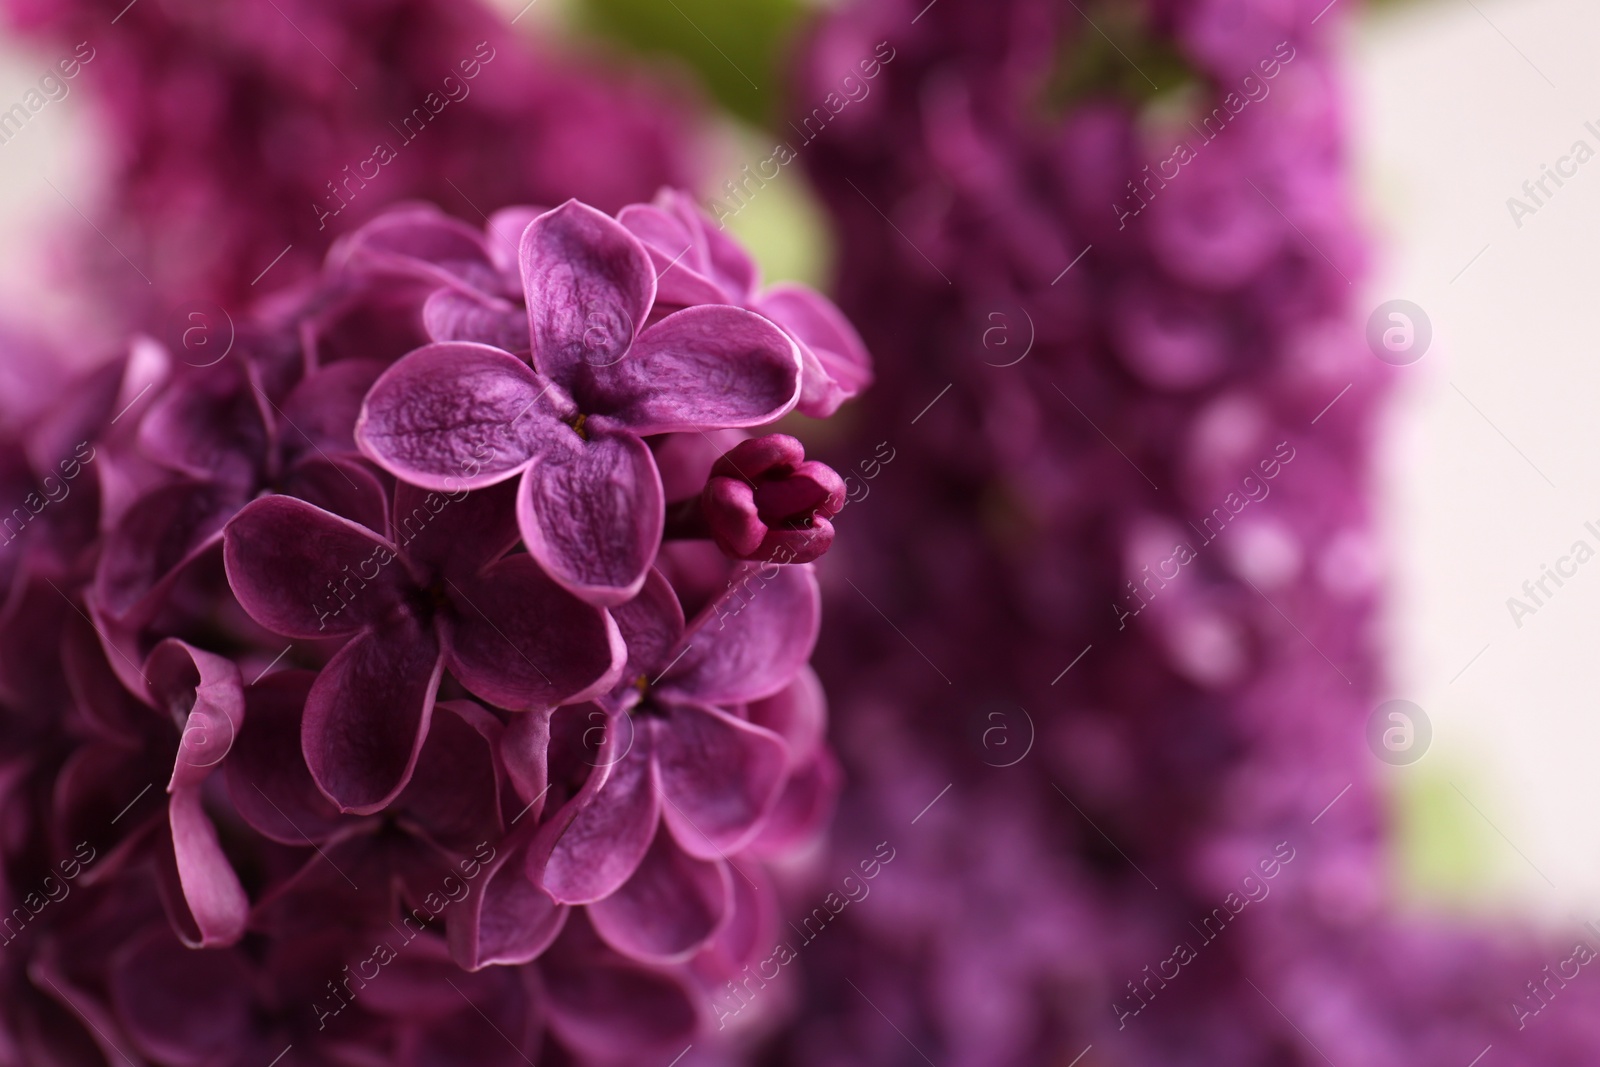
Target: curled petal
593,516
589,285
671,906
216,901
703,368
719,776
368,713
457,416
204,692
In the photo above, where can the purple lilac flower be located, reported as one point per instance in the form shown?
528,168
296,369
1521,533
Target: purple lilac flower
1077,748
301,755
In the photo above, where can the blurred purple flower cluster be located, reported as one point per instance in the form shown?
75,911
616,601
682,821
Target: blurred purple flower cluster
238,133
1105,637
360,704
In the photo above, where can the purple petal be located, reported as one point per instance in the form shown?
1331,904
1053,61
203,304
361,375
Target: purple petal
524,752
804,808
610,1010
458,416
600,835
589,285
266,775
506,919
368,712
503,236
836,363
679,254
179,1006
216,901
593,516
204,692
703,368
522,642
751,641
669,909
207,425
320,414
345,486
719,775
416,241
453,315
798,714
453,797
305,573
156,539
444,535
651,625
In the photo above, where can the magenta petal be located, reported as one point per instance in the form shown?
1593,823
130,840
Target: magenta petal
609,829
320,414
453,796
453,315
798,714
838,366
751,641
416,241
651,625
703,368
204,692
804,808
457,416
679,254
503,236
155,540
506,919
216,901
266,775
525,754
669,909
719,776
178,1006
589,285
305,573
368,712
520,641
593,516
346,486
452,534
612,1011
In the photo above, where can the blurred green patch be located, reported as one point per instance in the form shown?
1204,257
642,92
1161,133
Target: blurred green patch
1113,56
737,47
1445,854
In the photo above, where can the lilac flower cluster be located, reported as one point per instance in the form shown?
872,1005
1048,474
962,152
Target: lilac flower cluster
377,708
237,135
1079,748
